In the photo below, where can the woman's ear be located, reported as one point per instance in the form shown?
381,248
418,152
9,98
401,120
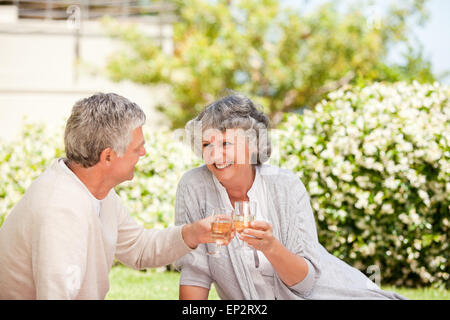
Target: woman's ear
254,158
252,143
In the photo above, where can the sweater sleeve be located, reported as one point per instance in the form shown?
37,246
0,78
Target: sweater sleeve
304,287
59,242
194,266
142,248
303,239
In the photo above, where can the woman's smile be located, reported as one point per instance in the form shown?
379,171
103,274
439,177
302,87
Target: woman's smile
222,166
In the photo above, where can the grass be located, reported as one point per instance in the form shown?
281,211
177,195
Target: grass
128,284
421,293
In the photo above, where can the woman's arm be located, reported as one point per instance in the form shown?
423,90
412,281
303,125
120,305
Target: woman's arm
193,293
291,268
195,274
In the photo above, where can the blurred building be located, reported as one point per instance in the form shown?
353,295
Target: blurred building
41,42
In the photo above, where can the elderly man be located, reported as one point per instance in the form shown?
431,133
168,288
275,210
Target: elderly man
60,240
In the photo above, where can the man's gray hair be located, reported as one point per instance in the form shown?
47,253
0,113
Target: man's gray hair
234,111
99,122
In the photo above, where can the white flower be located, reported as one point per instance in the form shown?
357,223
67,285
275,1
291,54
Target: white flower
363,200
309,140
330,183
341,213
314,188
405,147
369,148
387,208
424,196
379,197
363,181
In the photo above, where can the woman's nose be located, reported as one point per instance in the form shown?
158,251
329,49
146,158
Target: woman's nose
216,155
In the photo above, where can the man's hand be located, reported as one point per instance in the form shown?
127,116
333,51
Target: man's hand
200,232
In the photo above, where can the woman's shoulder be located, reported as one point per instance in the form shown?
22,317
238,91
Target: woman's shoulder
276,174
195,176
281,177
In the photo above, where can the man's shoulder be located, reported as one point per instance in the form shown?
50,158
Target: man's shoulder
54,188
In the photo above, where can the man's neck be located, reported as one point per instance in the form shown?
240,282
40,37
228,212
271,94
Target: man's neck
92,178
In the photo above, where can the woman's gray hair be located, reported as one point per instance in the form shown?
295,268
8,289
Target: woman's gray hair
99,122
234,111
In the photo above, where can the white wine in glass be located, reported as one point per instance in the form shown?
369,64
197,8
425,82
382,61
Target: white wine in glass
221,229
244,213
242,222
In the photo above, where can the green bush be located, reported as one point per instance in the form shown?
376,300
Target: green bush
374,160
376,163
23,160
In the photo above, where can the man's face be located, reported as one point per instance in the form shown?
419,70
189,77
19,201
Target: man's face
122,168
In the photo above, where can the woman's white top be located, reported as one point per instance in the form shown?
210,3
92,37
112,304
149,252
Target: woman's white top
263,275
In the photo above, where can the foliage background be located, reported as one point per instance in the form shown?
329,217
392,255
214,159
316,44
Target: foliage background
280,57
375,160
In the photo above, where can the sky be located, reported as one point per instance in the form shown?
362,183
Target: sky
434,35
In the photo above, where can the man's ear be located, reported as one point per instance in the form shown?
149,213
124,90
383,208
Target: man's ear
107,156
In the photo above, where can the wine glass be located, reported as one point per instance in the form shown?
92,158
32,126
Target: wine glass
244,213
221,229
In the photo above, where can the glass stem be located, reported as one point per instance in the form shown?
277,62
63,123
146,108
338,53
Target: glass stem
217,251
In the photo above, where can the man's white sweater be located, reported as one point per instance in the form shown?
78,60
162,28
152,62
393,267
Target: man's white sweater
59,242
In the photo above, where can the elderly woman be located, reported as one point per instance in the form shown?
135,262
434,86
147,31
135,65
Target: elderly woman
231,134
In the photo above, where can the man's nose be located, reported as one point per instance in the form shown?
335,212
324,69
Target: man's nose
143,152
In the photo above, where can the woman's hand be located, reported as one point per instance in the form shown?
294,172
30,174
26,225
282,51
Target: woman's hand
259,236
290,267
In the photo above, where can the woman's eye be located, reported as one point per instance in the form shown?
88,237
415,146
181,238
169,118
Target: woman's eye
226,143
205,145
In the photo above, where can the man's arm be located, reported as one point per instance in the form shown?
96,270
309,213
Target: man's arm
59,253
140,248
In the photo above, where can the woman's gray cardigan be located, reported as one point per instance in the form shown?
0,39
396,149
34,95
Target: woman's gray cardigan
292,218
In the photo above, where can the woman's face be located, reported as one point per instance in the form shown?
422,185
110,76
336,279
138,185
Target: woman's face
226,154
